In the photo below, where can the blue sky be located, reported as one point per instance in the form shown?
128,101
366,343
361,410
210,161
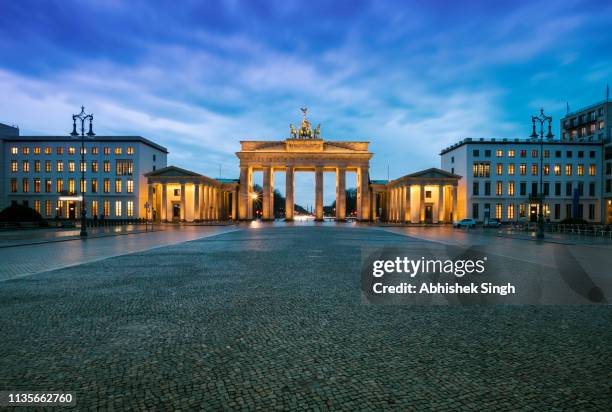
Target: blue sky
197,77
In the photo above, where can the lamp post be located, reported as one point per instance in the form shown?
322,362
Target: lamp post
82,117
541,119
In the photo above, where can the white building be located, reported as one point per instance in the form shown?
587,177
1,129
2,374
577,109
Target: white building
38,170
500,178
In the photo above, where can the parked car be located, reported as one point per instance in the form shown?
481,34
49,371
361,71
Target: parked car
492,223
465,223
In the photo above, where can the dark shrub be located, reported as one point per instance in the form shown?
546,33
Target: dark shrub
574,221
19,213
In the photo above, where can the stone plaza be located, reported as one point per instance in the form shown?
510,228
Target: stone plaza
270,316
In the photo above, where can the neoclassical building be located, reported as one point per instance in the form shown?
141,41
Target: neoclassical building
429,196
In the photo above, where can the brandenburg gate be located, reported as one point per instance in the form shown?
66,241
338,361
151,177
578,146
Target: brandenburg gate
304,150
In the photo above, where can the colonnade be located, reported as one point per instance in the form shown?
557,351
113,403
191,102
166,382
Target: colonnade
421,203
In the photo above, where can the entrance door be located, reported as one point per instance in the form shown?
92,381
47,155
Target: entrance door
428,214
176,211
533,213
71,210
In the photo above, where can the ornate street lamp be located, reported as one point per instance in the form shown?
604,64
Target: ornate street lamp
82,117
541,119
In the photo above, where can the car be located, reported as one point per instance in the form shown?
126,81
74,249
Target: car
465,223
492,223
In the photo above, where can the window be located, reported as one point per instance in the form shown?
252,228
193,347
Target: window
117,185
581,188
59,166
129,184
25,150
592,154
14,166
558,153
557,189
511,153
37,150
591,211
83,185
499,169
118,208
14,150
59,185
71,186
601,125
510,188
117,150
94,151
25,185
59,150
510,212
511,169
534,188
568,189
124,167
130,151
37,185
452,158
547,153
523,153
48,166
475,211
481,169
106,152
546,169
592,170
13,185
487,189
568,170
546,188
83,167
580,169
47,150
475,188
557,211
94,185
488,153
47,208
522,169
37,205
47,185
155,158
71,150
568,154
499,190
557,169
25,166
592,189
94,166
498,211
106,185
83,150
130,208
534,153
534,169
106,208
580,154
522,210
523,189
499,153
177,192
94,208
475,152
37,165
107,166
71,166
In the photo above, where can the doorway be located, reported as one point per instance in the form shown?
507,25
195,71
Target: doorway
533,213
428,214
72,210
176,211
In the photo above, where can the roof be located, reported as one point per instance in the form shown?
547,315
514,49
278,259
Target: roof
94,139
220,180
172,171
432,172
468,140
379,182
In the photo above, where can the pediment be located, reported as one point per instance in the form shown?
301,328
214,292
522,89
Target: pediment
433,173
171,171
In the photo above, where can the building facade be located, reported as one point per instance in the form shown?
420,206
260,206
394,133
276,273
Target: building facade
500,178
594,123
44,172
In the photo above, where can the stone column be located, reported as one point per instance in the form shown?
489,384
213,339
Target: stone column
196,201
422,206
407,218
183,203
268,200
341,194
454,211
245,204
319,193
150,187
164,202
234,204
364,183
289,189
441,214
201,202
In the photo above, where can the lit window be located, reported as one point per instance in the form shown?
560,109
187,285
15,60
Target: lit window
534,169
47,208
71,150
130,150
94,150
546,153
568,170
37,185
47,166
13,185
499,153
47,185
71,166
510,212
546,169
580,170
523,153
59,150
94,208
511,169
498,211
83,150
106,208
499,190
37,150
499,169
511,153
71,186
117,185
117,150
25,150
25,166
14,166
48,150
94,185
106,185
107,166
130,208
522,169
510,188
25,185
83,166
592,170
59,185
37,205
107,151
129,184
59,166
94,166
83,185
534,153
14,150
118,208
557,169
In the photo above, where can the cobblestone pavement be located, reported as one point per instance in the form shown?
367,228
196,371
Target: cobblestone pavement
271,318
